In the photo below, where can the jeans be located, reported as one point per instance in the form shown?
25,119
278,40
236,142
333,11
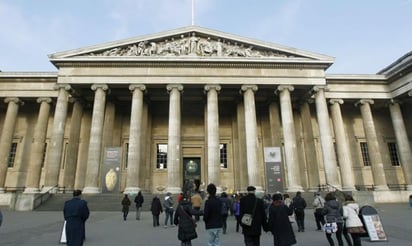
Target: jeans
213,236
169,214
138,209
155,220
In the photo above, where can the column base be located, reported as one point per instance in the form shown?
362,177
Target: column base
348,188
174,190
2,190
409,187
31,190
50,189
381,187
91,190
295,188
131,190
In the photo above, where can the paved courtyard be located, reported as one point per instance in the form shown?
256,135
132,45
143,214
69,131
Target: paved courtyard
108,228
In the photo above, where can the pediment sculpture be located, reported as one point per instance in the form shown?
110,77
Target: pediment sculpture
190,45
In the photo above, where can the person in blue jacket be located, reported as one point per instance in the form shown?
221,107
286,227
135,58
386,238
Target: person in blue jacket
76,212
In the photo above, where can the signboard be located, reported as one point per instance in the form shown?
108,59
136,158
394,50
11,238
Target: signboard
373,224
273,163
111,169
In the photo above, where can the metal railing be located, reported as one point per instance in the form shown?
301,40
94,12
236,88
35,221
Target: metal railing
43,197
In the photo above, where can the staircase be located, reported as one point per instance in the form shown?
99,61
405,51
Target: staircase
96,202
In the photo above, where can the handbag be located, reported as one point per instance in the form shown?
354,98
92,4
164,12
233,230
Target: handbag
247,219
330,228
356,230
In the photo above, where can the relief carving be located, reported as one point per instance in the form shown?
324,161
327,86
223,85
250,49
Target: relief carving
189,45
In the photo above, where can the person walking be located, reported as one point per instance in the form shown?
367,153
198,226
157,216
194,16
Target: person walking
168,207
353,223
1,218
333,212
288,201
196,201
318,203
183,219
76,212
226,204
236,211
212,217
125,206
138,200
279,223
253,206
156,208
299,205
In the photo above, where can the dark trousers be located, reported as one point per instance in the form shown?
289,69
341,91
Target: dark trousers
356,237
252,240
338,236
155,220
186,243
320,220
224,226
300,219
237,222
197,217
346,236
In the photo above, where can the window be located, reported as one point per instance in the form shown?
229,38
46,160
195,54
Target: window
365,154
223,155
126,155
161,156
12,155
393,152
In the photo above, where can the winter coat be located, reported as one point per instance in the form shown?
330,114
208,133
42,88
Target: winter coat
75,213
225,206
125,204
279,224
139,200
351,214
333,211
212,217
247,203
156,206
183,218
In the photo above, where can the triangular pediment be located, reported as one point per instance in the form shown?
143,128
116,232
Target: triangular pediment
191,42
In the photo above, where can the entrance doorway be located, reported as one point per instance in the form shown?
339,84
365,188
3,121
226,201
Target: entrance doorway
191,174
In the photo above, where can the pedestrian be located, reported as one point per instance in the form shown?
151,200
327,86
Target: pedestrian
179,197
333,212
1,218
212,217
183,219
138,200
196,201
225,207
279,223
288,201
169,210
75,212
318,203
125,206
251,206
236,211
156,208
353,222
267,201
299,205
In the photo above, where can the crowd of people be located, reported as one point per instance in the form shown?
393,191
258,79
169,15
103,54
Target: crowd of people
277,214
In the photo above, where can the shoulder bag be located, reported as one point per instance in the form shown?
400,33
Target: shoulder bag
248,218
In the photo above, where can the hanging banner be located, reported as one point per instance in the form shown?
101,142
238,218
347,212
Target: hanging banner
111,169
273,163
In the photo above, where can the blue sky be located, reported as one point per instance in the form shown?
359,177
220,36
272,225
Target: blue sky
364,36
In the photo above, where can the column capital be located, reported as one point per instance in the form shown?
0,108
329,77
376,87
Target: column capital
285,87
66,87
335,100
364,101
318,88
170,87
393,101
16,100
254,88
101,86
133,87
44,99
212,86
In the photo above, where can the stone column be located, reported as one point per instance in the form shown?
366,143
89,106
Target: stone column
73,145
402,142
326,140
81,168
37,147
254,175
55,148
342,146
174,176
378,171
213,141
6,138
135,140
95,143
289,136
310,148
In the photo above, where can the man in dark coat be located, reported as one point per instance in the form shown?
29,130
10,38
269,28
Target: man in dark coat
279,223
75,213
212,216
299,205
187,226
250,204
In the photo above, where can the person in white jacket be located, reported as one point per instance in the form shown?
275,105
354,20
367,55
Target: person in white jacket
351,214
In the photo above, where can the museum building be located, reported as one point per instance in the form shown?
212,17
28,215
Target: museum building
150,113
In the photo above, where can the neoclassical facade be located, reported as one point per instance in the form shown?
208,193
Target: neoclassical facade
151,112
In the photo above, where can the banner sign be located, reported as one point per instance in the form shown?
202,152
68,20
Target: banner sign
273,163
111,169
374,227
